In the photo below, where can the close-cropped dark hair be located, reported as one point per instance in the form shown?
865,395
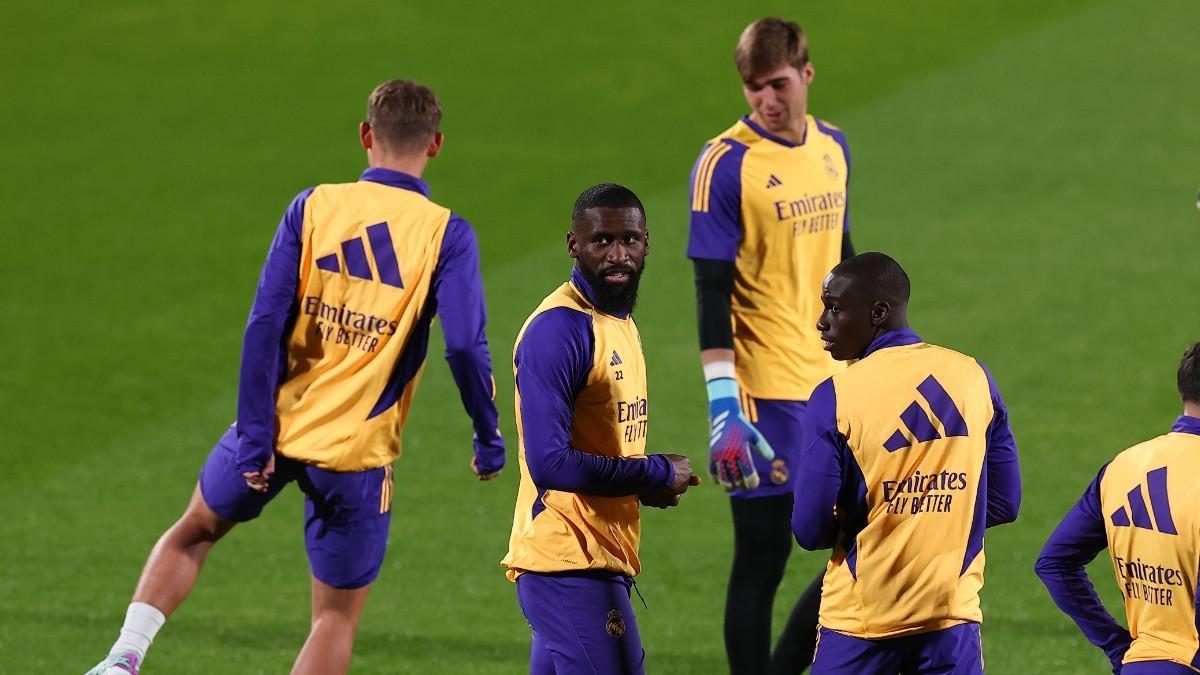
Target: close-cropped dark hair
404,115
609,196
878,276
768,44
1189,374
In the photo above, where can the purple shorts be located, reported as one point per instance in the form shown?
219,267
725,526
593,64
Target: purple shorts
1156,668
952,651
346,514
779,422
582,623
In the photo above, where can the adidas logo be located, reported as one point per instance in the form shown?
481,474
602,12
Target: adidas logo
773,181
919,424
616,359
355,257
1156,480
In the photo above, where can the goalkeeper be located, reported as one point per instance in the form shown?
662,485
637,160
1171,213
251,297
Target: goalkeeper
769,220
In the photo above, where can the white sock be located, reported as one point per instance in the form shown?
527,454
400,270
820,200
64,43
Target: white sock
142,622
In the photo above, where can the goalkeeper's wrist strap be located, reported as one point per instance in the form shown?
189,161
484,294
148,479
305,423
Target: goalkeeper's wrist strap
720,381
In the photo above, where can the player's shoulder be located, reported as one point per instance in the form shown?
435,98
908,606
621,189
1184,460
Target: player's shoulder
559,311
738,137
830,133
552,327
1161,450
828,128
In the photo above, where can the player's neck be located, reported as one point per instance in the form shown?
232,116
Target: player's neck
795,132
1191,409
413,165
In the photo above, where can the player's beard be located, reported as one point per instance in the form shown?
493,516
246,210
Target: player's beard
614,298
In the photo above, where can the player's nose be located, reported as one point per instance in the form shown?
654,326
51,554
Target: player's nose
617,253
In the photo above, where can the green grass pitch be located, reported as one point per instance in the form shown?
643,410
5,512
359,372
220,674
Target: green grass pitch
1033,164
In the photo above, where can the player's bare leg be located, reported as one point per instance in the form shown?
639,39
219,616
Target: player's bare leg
169,575
176,559
335,614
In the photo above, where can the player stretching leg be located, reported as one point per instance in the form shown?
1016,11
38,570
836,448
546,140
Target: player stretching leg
769,219
1143,507
907,456
582,413
333,348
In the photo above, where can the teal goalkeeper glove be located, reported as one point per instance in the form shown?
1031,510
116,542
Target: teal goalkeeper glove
730,438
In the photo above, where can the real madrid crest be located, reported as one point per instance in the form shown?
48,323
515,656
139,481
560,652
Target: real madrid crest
830,167
616,625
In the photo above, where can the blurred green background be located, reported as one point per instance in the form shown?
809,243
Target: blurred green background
1032,164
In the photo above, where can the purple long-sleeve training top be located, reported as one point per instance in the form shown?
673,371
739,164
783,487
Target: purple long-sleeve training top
457,297
1062,566
830,476
553,360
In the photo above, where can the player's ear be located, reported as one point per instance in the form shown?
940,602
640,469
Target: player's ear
365,137
807,73
880,311
435,146
572,244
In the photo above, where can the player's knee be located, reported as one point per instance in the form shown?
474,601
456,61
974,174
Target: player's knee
201,525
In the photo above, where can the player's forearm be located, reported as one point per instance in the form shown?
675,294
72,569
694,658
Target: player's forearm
819,474
813,521
472,371
714,287
1067,581
814,533
1061,566
567,469
1003,491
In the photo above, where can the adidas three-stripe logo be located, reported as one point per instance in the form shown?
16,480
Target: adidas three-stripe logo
919,424
1138,516
616,359
773,181
355,256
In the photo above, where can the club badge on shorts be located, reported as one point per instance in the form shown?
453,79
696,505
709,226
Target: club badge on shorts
616,625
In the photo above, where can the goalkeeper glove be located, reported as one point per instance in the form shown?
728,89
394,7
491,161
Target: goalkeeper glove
730,438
